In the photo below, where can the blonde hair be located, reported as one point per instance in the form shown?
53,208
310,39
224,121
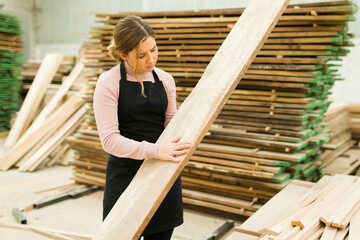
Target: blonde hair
129,33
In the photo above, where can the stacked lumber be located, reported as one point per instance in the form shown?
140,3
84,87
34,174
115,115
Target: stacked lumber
269,131
11,60
37,140
354,110
31,67
330,209
340,154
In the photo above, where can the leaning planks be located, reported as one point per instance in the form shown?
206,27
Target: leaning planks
328,210
43,142
270,129
38,145
11,59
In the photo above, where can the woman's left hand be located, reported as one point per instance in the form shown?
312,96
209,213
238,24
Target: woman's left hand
174,147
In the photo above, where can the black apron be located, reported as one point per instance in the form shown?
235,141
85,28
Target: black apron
141,119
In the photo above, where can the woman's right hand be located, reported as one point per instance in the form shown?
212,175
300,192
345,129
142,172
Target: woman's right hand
169,150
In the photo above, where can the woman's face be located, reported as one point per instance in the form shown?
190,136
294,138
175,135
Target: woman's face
148,55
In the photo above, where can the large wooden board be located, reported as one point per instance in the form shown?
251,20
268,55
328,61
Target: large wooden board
138,203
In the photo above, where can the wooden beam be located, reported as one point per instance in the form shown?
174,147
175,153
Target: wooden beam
138,203
33,98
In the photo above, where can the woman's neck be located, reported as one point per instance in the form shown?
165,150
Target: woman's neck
130,70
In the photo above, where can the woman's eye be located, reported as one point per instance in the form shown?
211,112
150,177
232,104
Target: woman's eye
142,56
153,50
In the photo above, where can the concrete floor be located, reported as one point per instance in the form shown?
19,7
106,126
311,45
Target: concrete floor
82,215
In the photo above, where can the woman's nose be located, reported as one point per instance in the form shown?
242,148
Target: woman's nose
150,58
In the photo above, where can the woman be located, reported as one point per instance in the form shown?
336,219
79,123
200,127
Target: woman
133,103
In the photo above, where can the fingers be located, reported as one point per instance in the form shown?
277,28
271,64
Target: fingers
173,159
176,153
181,146
175,140
168,151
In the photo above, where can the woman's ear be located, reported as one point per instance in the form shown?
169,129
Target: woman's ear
123,56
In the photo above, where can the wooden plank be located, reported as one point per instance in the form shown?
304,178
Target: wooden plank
308,231
341,215
55,231
341,233
354,230
327,215
242,236
317,234
43,78
226,201
329,233
289,232
131,213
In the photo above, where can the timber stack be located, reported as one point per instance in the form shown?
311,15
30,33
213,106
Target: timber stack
11,60
354,110
31,67
340,155
271,129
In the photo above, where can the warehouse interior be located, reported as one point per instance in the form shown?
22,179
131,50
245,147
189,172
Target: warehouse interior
279,159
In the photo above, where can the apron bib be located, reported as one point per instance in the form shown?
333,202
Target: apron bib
141,119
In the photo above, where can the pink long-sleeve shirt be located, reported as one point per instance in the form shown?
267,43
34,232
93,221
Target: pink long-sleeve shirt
106,106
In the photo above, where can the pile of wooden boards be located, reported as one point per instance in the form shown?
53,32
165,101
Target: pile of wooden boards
354,110
341,154
11,60
271,128
37,137
31,67
329,209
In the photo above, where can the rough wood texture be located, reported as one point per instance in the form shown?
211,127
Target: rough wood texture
140,200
